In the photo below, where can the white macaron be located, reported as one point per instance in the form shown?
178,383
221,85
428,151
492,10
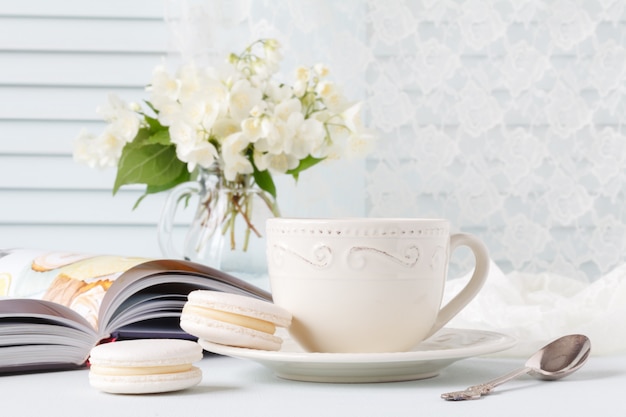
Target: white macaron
145,366
233,320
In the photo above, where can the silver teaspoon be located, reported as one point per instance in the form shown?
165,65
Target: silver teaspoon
555,360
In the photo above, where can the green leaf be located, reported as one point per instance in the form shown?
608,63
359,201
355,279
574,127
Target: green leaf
153,189
184,176
153,164
305,163
139,200
151,106
143,135
162,137
265,181
153,123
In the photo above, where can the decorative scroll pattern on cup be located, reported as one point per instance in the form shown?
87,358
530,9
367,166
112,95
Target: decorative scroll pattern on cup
357,256
320,257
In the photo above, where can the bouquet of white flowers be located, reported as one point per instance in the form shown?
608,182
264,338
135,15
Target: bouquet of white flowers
239,121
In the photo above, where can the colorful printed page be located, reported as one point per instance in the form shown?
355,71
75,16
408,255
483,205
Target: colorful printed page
78,281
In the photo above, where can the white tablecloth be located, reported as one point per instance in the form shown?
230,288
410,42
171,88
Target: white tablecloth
235,387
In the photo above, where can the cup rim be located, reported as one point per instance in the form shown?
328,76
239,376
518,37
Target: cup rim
357,227
356,220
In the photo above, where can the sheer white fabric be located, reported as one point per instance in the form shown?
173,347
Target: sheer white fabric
504,116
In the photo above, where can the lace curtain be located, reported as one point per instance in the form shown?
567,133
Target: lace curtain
504,116
507,117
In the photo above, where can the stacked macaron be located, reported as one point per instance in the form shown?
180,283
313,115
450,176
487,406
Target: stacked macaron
145,366
233,320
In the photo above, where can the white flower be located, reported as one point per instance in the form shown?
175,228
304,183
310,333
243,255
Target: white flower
230,117
309,138
98,151
259,109
276,137
303,74
273,62
330,94
300,88
188,78
168,112
105,150
164,88
123,120
261,73
84,150
286,108
212,86
110,147
251,128
278,130
201,110
242,98
183,133
352,117
125,128
234,161
321,70
278,93
273,56
201,153
192,145
223,128
111,110
276,163
270,136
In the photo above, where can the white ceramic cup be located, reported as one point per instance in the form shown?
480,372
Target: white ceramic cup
366,284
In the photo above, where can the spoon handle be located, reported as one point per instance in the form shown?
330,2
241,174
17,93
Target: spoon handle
477,391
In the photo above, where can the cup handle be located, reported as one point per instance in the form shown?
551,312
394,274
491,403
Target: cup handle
168,214
481,270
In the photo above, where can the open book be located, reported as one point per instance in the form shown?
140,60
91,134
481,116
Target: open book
54,307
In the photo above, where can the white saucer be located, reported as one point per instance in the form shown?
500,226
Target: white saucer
424,361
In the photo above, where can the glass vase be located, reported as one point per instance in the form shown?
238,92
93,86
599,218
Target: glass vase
228,229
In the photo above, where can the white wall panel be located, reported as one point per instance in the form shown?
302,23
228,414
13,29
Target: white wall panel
109,239
87,34
58,103
77,69
21,138
82,207
46,171
58,61
123,9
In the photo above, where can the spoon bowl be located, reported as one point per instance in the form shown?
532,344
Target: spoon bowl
560,357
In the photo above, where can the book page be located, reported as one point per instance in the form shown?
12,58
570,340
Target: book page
75,280
159,289
38,334
110,292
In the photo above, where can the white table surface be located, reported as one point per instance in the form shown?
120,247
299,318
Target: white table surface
236,387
